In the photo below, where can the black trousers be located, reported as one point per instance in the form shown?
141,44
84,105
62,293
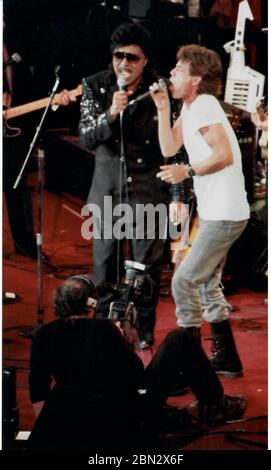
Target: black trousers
181,354
19,204
147,251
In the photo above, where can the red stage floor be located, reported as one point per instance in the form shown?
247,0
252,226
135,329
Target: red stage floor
69,254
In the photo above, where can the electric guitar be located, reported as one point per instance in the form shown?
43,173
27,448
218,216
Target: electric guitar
11,113
244,86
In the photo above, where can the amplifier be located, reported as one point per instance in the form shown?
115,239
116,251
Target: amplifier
68,166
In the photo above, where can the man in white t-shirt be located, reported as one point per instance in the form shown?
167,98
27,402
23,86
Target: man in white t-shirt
215,166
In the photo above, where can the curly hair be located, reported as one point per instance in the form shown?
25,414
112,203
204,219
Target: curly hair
70,298
131,33
206,64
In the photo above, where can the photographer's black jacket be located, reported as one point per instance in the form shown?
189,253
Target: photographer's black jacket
94,402
141,145
86,354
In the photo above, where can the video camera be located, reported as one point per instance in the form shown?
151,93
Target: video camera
138,285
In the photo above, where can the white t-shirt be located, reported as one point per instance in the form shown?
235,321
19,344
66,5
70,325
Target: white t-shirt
220,195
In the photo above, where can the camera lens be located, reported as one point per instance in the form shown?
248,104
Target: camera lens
130,276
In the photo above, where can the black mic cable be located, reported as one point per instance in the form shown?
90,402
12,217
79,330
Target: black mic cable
162,86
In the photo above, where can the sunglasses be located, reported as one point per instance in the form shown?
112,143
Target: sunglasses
119,55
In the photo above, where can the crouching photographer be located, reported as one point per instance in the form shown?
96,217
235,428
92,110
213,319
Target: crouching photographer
101,396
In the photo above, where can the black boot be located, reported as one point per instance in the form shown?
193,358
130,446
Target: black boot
225,358
230,408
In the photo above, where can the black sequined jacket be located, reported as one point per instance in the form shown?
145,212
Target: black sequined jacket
141,147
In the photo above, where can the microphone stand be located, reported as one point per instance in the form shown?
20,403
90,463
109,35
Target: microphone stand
122,173
28,331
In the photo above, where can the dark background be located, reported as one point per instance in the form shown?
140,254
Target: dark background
75,34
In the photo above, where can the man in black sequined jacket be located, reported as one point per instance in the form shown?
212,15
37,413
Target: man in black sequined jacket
103,102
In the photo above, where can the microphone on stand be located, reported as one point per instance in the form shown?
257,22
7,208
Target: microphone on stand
121,83
162,86
56,70
14,59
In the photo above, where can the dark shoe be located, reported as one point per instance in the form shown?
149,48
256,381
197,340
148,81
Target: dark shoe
149,338
144,345
30,253
175,419
225,358
231,370
146,340
232,408
26,247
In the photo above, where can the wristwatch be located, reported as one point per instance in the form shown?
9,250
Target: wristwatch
190,171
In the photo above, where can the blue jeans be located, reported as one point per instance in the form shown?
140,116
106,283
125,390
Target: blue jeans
196,283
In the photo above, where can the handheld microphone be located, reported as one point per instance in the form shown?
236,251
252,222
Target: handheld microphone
121,83
15,58
56,70
162,86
